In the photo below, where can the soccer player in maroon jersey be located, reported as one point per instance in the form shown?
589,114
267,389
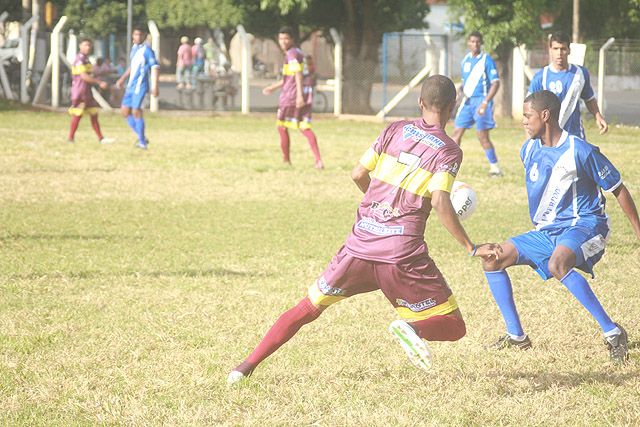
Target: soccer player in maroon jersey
81,97
408,171
293,111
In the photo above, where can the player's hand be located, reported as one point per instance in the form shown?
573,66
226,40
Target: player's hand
602,125
155,91
489,251
119,84
482,109
299,101
103,85
267,90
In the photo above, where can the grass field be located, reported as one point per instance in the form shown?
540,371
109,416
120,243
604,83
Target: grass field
132,282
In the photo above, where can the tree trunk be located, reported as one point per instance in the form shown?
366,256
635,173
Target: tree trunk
502,104
361,43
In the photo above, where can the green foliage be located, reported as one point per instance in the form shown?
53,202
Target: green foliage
187,14
503,24
100,17
618,18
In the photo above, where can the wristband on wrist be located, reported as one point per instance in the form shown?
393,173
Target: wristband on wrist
473,252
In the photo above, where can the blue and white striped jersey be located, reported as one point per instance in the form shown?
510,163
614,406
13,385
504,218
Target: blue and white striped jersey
142,60
564,182
478,72
569,85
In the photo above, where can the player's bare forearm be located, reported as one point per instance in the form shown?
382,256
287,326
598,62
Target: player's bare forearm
155,73
123,77
492,91
360,175
299,96
628,206
89,79
592,106
441,203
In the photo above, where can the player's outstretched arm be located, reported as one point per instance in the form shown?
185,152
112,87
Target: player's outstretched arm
123,77
441,203
628,207
360,175
592,106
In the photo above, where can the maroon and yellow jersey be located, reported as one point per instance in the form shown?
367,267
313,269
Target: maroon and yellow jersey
293,60
80,90
408,161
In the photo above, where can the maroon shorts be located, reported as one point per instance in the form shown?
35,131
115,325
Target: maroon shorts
415,288
295,118
83,104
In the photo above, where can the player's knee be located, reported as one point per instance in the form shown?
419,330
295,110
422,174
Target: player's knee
492,265
458,328
558,267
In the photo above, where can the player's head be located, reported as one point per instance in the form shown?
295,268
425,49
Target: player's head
286,38
85,46
474,42
541,109
138,35
559,49
438,94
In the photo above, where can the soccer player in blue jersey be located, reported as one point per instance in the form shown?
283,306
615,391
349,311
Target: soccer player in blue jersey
570,83
565,177
480,82
143,60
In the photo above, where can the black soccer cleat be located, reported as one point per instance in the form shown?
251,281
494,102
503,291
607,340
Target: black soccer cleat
618,346
506,341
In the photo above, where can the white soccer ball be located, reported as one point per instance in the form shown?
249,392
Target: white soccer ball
463,199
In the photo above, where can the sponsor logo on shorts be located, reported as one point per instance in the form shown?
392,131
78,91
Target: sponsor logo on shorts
385,210
373,227
418,135
418,306
326,288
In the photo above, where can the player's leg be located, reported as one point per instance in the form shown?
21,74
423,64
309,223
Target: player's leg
463,121
283,122
139,124
570,253
125,109
484,123
344,277
304,120
75,111
457,134
426,305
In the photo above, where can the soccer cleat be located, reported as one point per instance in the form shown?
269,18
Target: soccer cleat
495,171
506,341
235,377
71,141
618,346
143,145
319,165
416,349
106,140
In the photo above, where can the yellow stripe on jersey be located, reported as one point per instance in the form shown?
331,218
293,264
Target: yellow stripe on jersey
439,310
82,68
291,68
389,170
369,159
442,181
318,298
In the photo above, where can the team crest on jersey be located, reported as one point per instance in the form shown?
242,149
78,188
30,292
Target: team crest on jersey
418,135
385,210
418,306
533,173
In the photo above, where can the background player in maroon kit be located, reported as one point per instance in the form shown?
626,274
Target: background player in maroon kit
293,111
81,97
408,170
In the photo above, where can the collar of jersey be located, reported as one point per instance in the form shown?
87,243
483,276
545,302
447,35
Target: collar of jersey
563,139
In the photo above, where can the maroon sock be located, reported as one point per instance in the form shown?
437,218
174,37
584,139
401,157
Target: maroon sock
284,143
313,143
285,327
96,126
75,121
440,328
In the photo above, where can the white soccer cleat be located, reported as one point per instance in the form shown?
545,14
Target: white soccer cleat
417,350
235,377
106,140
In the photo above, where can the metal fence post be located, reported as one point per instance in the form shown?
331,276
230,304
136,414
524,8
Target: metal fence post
337,88
55,62
244,74
155,46
601,73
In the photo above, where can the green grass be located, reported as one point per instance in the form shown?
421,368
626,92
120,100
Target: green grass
132,282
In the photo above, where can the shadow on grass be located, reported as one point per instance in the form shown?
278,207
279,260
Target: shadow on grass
95,274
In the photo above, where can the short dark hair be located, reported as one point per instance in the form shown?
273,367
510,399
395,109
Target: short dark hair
85,40
545,100
139,28
287,30
475,34
560,37
438,92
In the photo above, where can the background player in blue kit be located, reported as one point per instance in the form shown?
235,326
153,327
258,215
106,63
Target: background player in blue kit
143,61
570,83
480,82
564,179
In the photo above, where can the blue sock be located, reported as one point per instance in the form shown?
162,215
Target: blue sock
491,155
500,286
580,289
140,130
132,122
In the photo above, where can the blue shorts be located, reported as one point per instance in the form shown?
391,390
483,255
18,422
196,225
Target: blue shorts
132,99
467,114
587,243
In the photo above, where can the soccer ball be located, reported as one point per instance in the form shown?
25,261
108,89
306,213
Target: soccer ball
463,199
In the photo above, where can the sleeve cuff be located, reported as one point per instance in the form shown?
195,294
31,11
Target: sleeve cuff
613,188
